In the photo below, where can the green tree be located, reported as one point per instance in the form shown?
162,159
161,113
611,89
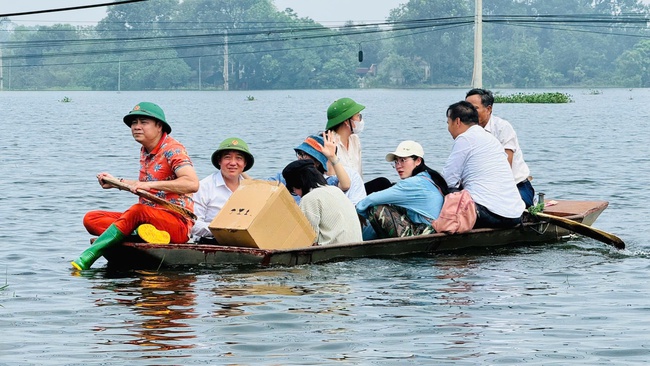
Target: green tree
239,23
46,56
443,40
167,44
565,53
396,70
633,66
138,38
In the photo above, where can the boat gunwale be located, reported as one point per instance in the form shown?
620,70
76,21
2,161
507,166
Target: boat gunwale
598,207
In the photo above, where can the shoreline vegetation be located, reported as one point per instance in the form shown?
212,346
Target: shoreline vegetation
253,45
552,97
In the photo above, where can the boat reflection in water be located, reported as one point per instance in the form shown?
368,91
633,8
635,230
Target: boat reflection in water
455,290
262,284
163,302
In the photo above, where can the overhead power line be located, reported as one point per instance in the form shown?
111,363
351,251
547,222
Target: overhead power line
270,35
253,37
69,8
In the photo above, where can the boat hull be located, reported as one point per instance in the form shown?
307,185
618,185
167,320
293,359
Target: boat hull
143,255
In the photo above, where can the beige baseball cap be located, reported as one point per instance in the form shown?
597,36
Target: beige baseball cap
404,149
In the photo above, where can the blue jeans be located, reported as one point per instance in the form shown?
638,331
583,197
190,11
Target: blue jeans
486,218
527,192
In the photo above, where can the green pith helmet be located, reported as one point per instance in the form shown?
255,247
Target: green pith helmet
233,143
148,109
341,110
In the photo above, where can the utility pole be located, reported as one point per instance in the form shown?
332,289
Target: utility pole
119,75
2,80
225,62
477,76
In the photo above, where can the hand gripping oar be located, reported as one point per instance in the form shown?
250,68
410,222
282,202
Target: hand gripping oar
580,228
151,197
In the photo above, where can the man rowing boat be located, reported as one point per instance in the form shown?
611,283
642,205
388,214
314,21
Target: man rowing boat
165,170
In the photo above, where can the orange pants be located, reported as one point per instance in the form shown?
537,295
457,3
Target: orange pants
96,222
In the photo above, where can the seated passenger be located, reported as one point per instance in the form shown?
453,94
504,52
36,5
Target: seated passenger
483,100
232,158
323,153
408,207
479,164
345,120
330,213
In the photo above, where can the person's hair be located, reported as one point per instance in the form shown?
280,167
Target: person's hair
463,110
340,125
303,175
238,152
487,98
159,123
435,176
317,163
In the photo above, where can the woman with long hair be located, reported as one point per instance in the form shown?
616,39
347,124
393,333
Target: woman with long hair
409,206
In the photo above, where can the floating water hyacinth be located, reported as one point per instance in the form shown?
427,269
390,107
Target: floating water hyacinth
534,98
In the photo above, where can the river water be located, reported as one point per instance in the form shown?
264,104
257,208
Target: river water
574,302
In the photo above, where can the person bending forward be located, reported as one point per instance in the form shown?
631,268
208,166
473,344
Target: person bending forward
330,213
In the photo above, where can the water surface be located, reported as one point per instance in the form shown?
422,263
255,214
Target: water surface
578,301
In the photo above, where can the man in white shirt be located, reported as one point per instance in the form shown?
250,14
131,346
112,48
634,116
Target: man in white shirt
478,164
483,100
232,158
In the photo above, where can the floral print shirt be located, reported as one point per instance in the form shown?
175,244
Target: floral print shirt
161,164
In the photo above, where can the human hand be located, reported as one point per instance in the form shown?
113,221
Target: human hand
329,145
100,179
145,186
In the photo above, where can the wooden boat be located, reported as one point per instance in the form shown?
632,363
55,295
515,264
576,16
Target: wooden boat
533,231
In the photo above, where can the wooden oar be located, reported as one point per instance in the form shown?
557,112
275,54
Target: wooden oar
580,228
151,197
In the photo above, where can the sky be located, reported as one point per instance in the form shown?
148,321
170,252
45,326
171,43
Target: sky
326,12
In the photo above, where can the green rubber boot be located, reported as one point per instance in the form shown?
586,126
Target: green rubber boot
109,237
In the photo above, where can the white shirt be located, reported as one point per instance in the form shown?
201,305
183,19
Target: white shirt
331,215
357,190
503,131
479,163
208,201
350,157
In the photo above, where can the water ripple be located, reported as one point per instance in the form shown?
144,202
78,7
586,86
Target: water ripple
575,301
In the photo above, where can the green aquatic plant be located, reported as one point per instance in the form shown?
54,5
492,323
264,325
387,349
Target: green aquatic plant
65,100
536,209
250,98
534,98
595,92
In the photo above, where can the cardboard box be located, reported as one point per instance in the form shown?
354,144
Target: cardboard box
262,214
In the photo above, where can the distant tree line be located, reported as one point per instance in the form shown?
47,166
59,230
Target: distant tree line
250,44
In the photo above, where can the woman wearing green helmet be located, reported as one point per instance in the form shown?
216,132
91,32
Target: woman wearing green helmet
344,118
